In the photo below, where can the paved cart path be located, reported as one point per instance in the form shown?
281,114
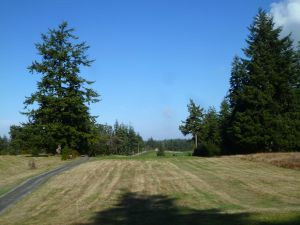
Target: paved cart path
31,184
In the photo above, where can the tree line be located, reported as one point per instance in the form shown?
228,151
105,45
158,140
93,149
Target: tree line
169,145
261,111
119,139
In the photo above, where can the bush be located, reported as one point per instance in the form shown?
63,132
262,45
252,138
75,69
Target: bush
68,153
207,149
160,152
35,151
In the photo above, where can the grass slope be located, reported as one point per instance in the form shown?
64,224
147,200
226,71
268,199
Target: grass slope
168,191
15,169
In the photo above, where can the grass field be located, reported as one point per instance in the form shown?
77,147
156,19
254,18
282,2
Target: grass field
15,169
149,190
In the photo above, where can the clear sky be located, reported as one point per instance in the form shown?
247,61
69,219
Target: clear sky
151,55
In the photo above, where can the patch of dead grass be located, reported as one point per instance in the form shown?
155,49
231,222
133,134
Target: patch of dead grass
289,160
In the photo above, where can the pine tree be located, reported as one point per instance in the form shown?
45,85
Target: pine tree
224,120
4,145
211,127
62,97
193,124
262,94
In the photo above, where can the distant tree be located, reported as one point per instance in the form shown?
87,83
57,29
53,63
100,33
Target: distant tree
61,113
263,99
133,142
224,120
160,152
4,145
151,144
193,124
211,127
119,139
103,144
27,139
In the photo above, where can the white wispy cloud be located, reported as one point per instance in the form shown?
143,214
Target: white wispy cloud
287,15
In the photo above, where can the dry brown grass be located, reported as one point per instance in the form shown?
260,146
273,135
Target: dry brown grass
15,169
289,160
226,184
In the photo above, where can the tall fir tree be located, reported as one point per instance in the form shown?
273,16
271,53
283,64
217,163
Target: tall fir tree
194,123
61,114
262,95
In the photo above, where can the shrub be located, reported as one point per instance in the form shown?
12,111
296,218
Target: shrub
74,154
35,151
207,149
68,153
160,152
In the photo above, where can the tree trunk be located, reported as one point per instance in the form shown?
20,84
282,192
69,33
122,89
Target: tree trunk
196,140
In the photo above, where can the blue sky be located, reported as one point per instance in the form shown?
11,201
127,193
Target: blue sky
151,55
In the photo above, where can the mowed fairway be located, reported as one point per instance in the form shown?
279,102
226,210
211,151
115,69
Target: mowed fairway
166,191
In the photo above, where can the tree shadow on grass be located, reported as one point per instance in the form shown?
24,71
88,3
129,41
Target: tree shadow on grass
136,209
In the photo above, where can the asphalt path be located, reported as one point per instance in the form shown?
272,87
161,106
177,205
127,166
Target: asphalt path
15,195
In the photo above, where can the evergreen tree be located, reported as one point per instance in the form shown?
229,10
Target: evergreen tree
224,120
62,115
193,124
211,127
4,145
262,94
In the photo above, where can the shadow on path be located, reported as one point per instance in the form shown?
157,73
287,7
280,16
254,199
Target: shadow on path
136,209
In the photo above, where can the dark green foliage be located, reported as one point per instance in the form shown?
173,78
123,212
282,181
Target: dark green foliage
62,115
25,139
192,125
224,120
28,139
207,149
119,140
211,127
263,95
169,144
103,144
126,140
4,145
68,153
160,152
65,153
